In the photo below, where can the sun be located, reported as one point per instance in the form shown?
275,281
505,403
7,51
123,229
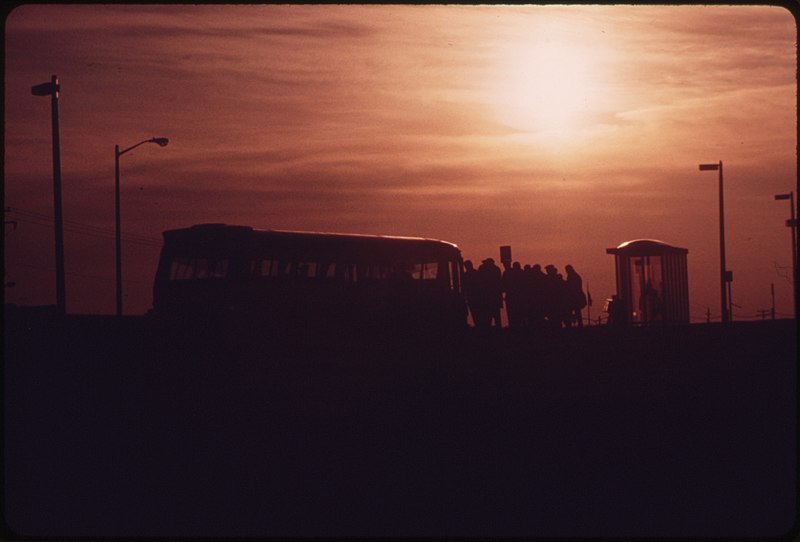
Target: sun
545,87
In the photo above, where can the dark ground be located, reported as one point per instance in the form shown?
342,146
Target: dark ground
115,429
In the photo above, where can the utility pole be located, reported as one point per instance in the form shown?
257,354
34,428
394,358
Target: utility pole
725,277
792,223
52,89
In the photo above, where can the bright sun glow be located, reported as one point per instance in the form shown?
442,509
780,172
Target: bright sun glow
548,88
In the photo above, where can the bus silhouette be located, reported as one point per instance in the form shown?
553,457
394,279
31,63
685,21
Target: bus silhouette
218,272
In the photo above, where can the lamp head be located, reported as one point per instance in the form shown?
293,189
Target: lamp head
783,196
161,141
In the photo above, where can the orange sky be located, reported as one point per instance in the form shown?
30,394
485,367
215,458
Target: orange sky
559,130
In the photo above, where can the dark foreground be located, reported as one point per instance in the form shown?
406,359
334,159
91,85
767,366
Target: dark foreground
116,429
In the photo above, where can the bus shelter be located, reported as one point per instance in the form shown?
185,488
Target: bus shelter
652,282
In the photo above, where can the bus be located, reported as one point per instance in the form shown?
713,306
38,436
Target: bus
294,278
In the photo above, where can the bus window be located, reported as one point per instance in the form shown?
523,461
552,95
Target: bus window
346,272
201,268
425,271
205,268
197,268
327,270
265,268
218,269
430,271
301,269
453,275
307,269
180,269
402,272
373,271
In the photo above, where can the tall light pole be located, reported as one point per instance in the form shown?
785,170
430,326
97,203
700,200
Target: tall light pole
52,89
160,141
724,276
792,223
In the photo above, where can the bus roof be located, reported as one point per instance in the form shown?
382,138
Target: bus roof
220,238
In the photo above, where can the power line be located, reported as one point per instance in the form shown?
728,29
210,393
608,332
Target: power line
80,275
128,239
31,217
80,225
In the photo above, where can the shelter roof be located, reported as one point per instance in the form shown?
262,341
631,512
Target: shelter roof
645,247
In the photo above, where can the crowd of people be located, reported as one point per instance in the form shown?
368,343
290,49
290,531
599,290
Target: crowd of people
533,297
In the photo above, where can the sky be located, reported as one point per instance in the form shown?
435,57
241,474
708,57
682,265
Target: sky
561,131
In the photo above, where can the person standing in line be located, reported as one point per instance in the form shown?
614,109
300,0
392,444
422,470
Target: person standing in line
563,302
472,293
513,286
576,299
492,286
554,303
617,311
537,304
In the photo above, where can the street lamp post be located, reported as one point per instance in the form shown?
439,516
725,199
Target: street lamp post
160,141
724,275
52,89
792,223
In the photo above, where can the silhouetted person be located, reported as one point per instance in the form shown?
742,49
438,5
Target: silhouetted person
650,303
617,314
472,293
536,286
525,296
562,303
576,299
513,285
553,297
491,290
